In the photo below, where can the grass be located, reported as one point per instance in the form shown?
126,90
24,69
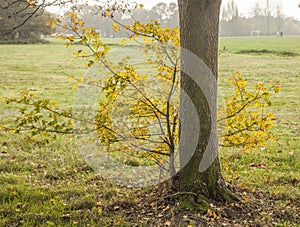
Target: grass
233,45
51,184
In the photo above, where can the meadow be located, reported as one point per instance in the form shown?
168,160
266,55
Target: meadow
52,185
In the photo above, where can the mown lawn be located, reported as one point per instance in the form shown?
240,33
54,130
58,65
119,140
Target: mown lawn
51,185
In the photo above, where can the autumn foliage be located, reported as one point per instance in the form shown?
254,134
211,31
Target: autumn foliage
148,132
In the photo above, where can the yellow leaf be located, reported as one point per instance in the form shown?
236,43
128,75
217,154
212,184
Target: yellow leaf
68,45
277,89
80,22
226,167
49,22
116,27
123,42
100,211
246,198
141,6
54,103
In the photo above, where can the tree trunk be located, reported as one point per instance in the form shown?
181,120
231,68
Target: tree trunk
199,27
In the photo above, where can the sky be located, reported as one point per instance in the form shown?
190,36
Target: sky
290,7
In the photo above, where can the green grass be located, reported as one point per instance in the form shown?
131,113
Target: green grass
51,185
282,158
233,45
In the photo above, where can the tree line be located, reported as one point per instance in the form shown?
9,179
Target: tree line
266,18
165,14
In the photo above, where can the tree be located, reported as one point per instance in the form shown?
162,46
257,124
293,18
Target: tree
202,40
161,10
230,11
202,178
268,10
200,169
279,16
173,19
265,9
201,172
230,20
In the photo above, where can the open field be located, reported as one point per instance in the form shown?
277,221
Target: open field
51,185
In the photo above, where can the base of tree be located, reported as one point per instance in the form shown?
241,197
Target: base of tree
24,41
162,206
199,202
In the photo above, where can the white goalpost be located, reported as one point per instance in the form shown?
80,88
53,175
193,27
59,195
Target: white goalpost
255,33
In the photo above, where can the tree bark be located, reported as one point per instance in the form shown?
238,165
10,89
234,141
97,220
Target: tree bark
199,27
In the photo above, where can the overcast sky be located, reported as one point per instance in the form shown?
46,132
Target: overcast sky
290,7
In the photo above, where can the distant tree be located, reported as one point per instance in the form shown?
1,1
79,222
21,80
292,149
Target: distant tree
161,11
173,20
256,10
16,13
230,18
230,11
279,16
141,14
166,14
268,10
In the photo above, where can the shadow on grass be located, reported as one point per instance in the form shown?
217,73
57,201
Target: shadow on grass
265,51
